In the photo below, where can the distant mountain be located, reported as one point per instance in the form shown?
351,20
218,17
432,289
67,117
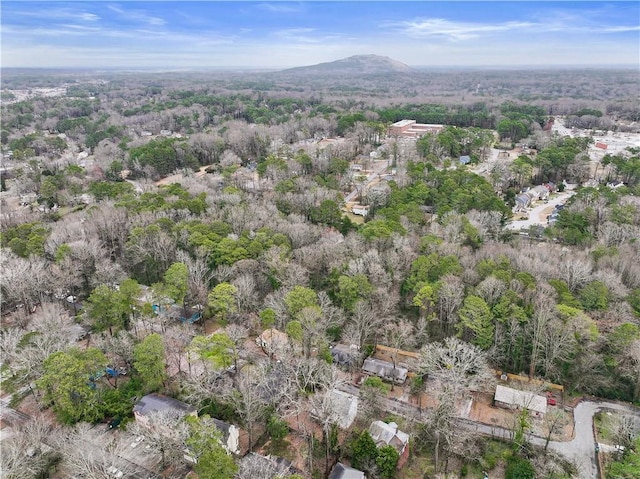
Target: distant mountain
355,65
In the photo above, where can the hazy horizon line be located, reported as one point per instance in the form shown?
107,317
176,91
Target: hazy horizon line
201,68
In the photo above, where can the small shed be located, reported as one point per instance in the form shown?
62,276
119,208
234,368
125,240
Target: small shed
465,160
515,398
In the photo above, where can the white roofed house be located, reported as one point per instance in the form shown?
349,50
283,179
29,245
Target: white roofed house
389,435
541,192
336,407
515,398
361,210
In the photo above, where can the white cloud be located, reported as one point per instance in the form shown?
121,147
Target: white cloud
458,31
440,27
58,14
281,7
138,16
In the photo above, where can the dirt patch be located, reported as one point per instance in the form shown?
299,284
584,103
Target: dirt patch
482,411
180,176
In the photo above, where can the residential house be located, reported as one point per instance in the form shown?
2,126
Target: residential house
343,355
514,398
389,435
344,407
540,192
273,341
385,370
155,403
361,210
523,201
340,471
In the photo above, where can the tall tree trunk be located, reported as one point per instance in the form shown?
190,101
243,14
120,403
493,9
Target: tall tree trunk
437,451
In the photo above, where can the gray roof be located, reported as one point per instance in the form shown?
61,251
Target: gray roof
343,354
344,407
157,403
340,471
384,369
222,426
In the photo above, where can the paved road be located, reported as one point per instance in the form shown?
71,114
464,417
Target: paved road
580,450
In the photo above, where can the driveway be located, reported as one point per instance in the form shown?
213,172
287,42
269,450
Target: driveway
537,214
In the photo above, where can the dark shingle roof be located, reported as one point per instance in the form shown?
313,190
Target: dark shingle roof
158,403
340,471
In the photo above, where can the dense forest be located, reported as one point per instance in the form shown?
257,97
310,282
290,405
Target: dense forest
156,224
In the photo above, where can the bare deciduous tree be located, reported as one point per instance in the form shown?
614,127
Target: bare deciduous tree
362,325
461,367
85,455
254,466
165,434
248,398
397,335
25,452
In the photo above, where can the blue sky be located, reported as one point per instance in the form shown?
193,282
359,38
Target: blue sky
279,34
